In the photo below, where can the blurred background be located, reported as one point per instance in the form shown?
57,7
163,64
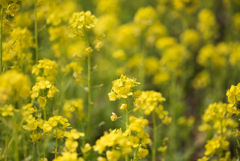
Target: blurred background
188,50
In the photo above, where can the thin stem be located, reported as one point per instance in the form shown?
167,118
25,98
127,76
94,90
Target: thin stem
56,144
16,142
38,152
1,32
36,32
127,123
127,114
221,151
6,144
154,136
44,141
89,85
135,154
33,152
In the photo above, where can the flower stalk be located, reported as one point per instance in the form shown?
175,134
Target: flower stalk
36,33
154,136
1,40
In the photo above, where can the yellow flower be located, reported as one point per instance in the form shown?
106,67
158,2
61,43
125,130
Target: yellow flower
82,19
101,159
12,9
71,145
122,88
74,134
42,101
145,16
142,153
123,106
35,137
87,148
113,155
114,117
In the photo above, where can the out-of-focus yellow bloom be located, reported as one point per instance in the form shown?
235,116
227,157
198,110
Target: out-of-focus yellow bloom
71,145
7,110
9,86
207,24
119,54
161,77
87,148
42,101
74,134
101,159
35,137
151,65
155,31
191,38
72,106
113,155
236,21
107,6
107,23
208,56
12,9
165,42
145,17
126,32
201,80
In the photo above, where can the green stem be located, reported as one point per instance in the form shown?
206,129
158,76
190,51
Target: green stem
127,114
38,152
127,123
36,32
6,145
89,85
154,136
16,142
1,32
44,141
135,154
56,144
221,151
33,152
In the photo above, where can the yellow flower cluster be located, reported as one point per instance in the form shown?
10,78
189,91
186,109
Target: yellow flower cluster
216,115
148,101
125,141
48,70
233,95
70,154
82,19
122,88
73,106
137,125
113,139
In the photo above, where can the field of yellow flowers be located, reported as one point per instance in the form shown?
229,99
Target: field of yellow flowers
119,80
